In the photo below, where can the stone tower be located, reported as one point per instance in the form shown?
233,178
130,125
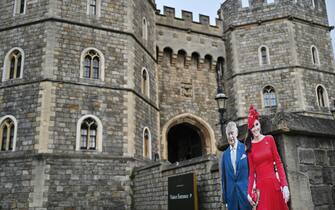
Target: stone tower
274,59
78,97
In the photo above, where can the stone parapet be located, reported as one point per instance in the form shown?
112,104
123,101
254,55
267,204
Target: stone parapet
233,14
169,19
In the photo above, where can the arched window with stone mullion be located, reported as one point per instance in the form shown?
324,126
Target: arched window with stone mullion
269,97
15,65
88,134
91,65
7,134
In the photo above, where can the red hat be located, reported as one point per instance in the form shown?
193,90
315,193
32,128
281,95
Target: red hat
252,117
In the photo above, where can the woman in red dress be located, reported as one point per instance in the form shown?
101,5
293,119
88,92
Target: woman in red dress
262,153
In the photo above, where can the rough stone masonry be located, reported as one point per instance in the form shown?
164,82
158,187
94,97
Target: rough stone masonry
91,91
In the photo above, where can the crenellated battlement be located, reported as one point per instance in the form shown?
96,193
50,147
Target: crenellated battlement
186,22
239,12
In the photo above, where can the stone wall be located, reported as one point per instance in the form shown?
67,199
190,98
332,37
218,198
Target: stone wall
15,182
82,182
26,98
60,182
304,36
151,183
306,145
32,40
35,10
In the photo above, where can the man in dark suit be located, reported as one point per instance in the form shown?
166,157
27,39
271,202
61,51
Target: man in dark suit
234,172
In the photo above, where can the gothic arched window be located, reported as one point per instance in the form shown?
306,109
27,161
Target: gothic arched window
89,133
322,96
269,97
7,133
13,65
92,64
315,55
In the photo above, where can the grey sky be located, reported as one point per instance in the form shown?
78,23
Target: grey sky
210,8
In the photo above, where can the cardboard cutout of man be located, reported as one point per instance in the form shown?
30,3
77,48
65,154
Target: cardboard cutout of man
234,172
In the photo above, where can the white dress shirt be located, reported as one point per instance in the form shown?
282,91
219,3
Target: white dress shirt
233,154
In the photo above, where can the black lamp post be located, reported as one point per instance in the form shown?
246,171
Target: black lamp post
221,98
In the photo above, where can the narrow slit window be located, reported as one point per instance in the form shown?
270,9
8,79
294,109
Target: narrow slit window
145,83
146,144
19,7
22,6
144,29
315,56
264,56
322,97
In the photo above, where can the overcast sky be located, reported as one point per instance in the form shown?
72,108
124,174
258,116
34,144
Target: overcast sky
210,7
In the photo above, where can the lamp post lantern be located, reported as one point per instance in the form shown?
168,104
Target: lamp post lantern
221,99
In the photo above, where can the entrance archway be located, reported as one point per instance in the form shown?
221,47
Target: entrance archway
184,142
196,127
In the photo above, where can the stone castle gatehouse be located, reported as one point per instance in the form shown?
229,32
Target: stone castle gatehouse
101,101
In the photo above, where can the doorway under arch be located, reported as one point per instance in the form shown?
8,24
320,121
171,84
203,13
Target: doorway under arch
184,142
196,130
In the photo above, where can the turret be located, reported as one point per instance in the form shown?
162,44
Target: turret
279,57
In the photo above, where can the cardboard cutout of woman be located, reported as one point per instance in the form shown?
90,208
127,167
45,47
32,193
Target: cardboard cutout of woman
262,153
